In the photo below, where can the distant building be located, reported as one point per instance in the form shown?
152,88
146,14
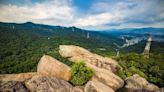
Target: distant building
102,49
147,47
88,35
117,50
117,53
13,27
73,29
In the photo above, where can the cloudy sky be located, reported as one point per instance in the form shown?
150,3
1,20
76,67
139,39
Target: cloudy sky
87,14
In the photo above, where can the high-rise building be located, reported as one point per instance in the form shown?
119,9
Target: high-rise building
88,35
147,47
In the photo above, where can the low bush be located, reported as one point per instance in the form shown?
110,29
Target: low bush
81,74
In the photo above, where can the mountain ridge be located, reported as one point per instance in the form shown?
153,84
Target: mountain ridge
59,26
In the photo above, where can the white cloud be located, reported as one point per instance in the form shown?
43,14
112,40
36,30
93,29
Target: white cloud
54,12
130,13
102,14
94,20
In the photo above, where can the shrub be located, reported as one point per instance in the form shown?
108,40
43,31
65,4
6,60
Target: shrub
81,74
135,70
121,74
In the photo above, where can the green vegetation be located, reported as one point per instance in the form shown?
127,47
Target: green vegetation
55,53
81,74
152,69
22,47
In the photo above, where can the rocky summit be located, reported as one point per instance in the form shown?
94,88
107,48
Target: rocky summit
76,53
54,76
104,67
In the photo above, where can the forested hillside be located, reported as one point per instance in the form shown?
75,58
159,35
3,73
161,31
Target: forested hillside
22,45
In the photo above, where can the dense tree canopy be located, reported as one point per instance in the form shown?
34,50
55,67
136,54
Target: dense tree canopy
150,68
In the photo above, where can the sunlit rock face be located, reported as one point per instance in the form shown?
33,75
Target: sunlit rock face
136,83
76,53
17,77
96,86
104,67
49,66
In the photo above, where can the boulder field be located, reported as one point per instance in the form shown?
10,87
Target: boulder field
54,76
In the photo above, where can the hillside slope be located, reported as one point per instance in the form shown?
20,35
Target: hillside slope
23,44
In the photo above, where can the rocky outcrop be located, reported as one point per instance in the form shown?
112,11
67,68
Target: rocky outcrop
17,77
76,53
136,83
53,76
106,77
95,86
38,83
48,66
50,77
103,66
50,84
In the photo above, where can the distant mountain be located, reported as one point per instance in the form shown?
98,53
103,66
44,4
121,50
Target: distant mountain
27,25
149,30
156,33
40,29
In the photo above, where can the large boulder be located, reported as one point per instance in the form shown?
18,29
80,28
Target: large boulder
48,66
41,83
76,53
107,77
104,67
95,86
136,83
